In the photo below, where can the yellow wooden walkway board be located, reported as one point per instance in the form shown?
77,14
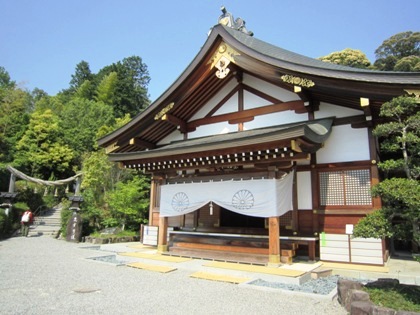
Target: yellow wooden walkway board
162,269
355,267
141,246
155,257
258,269
218,277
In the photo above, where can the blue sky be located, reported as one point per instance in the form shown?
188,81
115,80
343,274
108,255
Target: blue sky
42,41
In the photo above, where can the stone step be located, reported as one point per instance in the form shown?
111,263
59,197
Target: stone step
48,224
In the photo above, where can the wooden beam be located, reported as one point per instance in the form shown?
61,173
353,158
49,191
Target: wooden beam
264,110
142,143
179,123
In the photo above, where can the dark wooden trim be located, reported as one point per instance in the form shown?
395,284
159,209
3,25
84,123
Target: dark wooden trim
295,214
350,120
344,212
241,108
269,109
179,123
315,194
142,143
261,94
344,165
223,101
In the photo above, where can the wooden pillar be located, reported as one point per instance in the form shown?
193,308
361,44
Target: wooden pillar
152,203
315,195
295,214
374,172
163,235
274,241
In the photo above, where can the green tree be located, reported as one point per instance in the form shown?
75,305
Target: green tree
96,170
375,224
40,150
348,57
395,48
80,121
130,96
81,74
129,201
106,89
15,107
5,80
408,64
400,143
400,136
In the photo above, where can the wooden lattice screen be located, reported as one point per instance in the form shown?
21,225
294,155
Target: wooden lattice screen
345,188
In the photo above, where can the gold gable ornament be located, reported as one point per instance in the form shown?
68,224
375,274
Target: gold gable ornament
297,81
222,65
164,111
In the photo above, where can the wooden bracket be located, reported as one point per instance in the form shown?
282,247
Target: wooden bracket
179,123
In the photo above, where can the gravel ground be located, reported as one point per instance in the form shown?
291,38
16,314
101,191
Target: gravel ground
41,275
323,286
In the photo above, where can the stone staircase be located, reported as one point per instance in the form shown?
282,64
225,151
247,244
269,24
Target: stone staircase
47,223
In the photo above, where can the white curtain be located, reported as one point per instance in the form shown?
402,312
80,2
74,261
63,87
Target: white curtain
259,198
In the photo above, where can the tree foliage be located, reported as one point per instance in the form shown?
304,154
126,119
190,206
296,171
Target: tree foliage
399,52
41,149
348,57
399,136
80,122
52,137
130,201
375,224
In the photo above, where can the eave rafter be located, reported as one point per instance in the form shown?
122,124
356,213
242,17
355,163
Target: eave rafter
139,143
281,155
179,123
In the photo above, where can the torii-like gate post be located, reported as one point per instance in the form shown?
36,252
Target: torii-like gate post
74,226
8,197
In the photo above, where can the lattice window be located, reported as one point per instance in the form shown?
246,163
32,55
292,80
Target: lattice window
286,219
345,188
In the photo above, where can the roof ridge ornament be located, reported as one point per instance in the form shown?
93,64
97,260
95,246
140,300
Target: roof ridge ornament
226,19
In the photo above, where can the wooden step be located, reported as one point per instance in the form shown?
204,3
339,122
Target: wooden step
254,259
229,248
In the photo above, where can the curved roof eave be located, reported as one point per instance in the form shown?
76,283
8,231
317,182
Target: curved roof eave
271,55
282,58
164,98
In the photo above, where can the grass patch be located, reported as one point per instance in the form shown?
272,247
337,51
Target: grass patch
115,235
396,296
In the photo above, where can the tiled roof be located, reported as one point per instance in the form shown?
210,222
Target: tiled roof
292,61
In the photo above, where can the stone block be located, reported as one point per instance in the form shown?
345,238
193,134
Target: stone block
356,296
344,287
378,310
361,308
316,274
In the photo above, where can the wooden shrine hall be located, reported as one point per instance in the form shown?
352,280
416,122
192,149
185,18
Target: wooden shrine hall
258,152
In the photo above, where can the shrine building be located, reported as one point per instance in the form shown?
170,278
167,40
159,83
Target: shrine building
259,154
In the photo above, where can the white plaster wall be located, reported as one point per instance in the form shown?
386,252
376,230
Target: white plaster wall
304,190
213,129
345,144
270,89
275,119
329,110
174,136
230,106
